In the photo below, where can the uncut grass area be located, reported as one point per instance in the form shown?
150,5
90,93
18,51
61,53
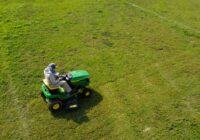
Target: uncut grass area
143,57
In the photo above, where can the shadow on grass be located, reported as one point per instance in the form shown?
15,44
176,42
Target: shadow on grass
79,115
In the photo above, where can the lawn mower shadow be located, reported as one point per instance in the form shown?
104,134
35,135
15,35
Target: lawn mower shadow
79,115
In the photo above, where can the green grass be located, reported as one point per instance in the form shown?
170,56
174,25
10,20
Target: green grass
143,57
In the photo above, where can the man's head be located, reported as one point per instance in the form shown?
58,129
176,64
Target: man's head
52,65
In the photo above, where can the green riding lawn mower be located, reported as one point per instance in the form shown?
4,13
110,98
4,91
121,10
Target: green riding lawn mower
57,98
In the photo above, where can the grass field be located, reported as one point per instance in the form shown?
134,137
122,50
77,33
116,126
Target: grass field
143,56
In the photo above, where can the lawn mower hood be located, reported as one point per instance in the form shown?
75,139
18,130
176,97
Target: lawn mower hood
78,75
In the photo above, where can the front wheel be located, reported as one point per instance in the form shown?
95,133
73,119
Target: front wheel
86,93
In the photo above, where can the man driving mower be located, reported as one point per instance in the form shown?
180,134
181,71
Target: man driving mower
63,91
53,80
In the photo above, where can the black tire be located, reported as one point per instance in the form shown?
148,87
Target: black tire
55,106
86,93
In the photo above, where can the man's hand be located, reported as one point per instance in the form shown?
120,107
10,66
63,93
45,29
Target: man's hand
57,74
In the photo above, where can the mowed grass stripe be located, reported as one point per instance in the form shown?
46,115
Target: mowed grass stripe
12,108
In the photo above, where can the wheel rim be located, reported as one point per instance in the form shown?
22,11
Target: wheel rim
87,93
56,106
73,106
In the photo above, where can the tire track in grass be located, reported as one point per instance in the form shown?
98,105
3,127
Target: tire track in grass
122,105
12,92
192,31
117,112
119,109
168,78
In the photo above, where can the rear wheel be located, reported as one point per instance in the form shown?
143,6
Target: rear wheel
72,104
55,105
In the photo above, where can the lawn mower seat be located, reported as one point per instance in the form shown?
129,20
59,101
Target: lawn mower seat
48,86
